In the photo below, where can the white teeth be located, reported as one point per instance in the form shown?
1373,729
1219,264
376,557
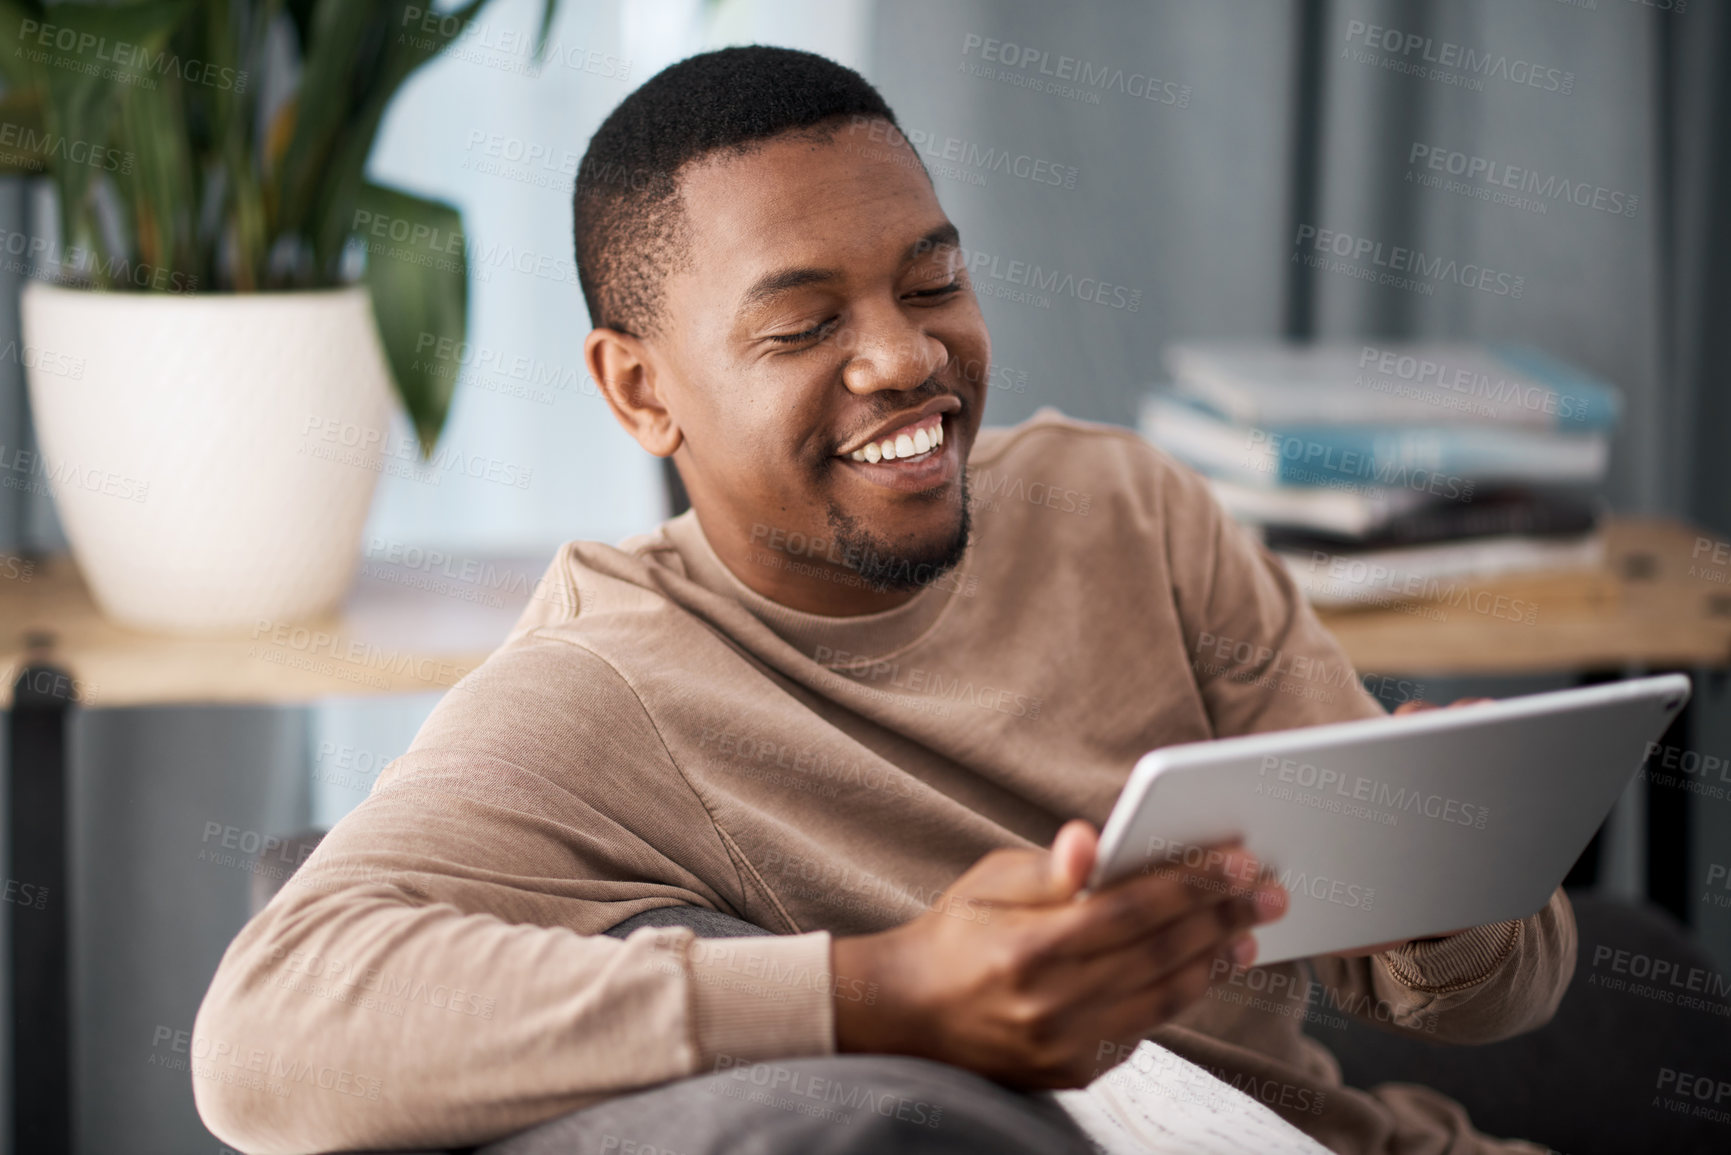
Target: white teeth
922,441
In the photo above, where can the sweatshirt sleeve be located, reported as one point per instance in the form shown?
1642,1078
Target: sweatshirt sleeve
1263,661
435,974
1478,986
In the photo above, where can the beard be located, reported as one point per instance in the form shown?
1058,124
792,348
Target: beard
884,567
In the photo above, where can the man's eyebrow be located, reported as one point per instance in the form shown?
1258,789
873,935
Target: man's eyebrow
782,280
770,284
940,237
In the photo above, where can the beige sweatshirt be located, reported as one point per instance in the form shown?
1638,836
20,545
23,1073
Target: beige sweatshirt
653,732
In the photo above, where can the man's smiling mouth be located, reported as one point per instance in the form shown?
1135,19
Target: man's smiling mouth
911,442
916,456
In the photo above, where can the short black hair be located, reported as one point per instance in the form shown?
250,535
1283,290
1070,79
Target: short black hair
626,207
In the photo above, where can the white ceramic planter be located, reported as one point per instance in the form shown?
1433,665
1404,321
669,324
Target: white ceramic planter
212,456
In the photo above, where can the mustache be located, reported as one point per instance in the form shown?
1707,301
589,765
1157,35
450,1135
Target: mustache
884,407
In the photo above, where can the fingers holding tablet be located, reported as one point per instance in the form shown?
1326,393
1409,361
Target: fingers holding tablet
1020,975
1163,893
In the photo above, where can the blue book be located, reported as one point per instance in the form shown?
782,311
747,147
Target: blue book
1446,461
1596,405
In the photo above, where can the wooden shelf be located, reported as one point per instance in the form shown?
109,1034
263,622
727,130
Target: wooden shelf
1654,604
400,631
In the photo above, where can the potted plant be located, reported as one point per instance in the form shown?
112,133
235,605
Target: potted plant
213,335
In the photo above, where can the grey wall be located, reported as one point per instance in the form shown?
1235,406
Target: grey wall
1198,203
1184,198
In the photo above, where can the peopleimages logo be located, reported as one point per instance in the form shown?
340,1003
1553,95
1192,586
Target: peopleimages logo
1067,76
1397,262
1468,380
1192,1083
1446,61
447,357
52,144
1520,187
44,259
118,60
414,242
1326,789
1032,282
946,153
1317,886
474,40
401,987
331,439
918,680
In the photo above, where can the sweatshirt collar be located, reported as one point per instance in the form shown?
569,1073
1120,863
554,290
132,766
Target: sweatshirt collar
830,640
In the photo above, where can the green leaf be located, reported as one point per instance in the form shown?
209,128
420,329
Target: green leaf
403,45
88,59
25,147
301,17
549,8
419,278
15,64
332,70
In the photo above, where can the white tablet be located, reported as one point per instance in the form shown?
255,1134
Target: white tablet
1400,827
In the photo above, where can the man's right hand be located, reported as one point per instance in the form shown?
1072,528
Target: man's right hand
1011,976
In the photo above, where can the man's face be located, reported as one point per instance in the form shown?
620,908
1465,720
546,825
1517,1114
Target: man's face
824,310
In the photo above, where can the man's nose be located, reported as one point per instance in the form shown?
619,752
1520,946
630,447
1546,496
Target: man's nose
889,350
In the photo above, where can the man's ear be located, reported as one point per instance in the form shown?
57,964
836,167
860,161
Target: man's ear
626,376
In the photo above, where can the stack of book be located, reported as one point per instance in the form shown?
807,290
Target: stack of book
1385,473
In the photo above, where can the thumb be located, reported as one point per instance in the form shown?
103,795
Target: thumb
1072,857
1034,877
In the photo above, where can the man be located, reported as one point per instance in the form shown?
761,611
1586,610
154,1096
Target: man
848,699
